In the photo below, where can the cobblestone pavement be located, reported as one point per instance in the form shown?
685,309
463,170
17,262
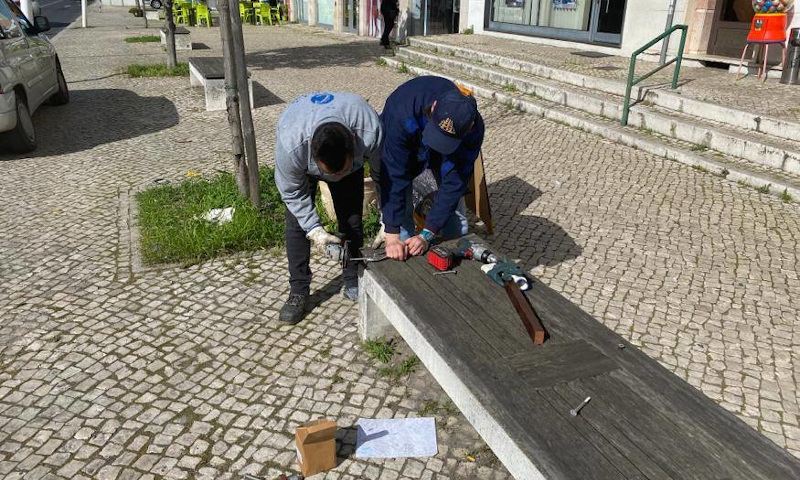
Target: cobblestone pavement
109,370
707,84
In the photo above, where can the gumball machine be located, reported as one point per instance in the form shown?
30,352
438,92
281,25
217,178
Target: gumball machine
768,27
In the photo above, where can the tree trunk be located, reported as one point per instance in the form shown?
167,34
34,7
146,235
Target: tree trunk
172,59
141,6
248,131
232,99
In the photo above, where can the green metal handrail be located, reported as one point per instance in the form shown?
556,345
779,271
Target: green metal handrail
632,68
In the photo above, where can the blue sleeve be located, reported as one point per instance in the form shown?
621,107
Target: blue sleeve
394,178
456,171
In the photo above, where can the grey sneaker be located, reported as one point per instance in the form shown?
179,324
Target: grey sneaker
350,293
292,311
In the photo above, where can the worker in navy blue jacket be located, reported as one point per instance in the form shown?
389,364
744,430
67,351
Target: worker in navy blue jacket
428,122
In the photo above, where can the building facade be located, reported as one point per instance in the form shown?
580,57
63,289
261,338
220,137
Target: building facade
717,28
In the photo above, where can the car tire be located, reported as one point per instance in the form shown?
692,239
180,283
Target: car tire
22,139
61,97
156,4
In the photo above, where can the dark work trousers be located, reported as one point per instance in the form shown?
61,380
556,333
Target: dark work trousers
348,200
388,25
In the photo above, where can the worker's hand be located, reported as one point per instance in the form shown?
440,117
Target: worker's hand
380,237
395,248
417,245
319,238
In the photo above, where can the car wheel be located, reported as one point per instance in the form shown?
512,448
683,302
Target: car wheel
155,4
22,139
62,96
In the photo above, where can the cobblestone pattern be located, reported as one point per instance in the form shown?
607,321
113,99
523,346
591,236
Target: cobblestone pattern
111,372
707,84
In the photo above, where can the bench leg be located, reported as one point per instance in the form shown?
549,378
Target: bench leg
372,323
194,77
216,96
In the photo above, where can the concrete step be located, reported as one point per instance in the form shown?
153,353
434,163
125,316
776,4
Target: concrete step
749,145
767,179
666,98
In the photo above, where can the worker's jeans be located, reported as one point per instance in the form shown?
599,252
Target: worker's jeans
388,24
456,226
348,200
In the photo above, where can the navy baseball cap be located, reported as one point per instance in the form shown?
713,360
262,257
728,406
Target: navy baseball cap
450,121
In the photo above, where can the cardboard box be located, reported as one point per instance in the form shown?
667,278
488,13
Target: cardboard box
316,446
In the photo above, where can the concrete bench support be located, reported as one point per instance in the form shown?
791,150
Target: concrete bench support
213,81
182,38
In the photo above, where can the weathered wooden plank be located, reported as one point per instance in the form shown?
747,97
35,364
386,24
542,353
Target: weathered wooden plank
739,442
608,449
549,439
560,363
605,423
209,67
473,316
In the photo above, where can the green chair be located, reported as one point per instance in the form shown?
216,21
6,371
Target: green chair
275,12
188,7
246,12
202,13
181,14
263,14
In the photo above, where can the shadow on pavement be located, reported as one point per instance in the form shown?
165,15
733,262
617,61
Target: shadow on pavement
97,117
534,240
335,55
263,97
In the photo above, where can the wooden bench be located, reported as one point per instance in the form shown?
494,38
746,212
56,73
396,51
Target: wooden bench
642,420
183,39
209,72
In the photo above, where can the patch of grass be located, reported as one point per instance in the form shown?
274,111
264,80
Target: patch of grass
157,70
764,188
468,31
483,456
786,196
699,148
436,408
743,183
403,68
381,62
143,39
325,352
381,349
399,370
452,53
724,172
700,168
510,87
172,230
336,378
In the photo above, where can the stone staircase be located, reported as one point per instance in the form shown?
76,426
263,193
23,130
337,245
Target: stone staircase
762,151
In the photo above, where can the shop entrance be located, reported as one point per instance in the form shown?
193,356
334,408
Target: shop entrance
588,21
731,29
350,15
433,17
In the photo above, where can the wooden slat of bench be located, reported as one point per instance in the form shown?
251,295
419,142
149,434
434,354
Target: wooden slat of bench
606,425
725,439
560,363
209,67
550,441
739,444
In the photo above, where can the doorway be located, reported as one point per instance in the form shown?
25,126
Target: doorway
731,29
350,15
606,22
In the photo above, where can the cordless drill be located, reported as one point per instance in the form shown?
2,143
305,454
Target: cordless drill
476,251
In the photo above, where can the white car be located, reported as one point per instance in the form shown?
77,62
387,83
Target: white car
30,74
37,10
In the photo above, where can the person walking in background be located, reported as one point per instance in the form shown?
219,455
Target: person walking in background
390,10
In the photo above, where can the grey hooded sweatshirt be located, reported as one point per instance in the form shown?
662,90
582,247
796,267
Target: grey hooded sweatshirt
296,126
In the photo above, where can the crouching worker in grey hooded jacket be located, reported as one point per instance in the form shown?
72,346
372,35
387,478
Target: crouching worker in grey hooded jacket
328,137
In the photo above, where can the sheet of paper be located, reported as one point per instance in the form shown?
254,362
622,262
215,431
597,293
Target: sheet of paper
396,438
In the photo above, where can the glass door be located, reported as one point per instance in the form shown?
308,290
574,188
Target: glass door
350,15
300,10
606,22
325,13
